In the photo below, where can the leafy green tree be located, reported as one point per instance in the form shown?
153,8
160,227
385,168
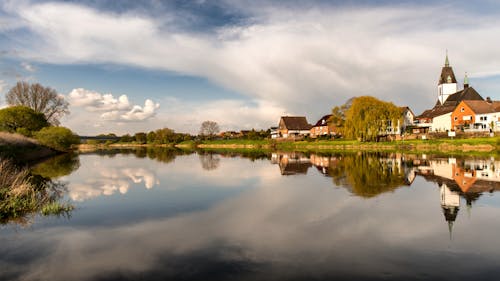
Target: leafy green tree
140,137
151,137
126,138
21,119
41,99
367,117
165,135
59,138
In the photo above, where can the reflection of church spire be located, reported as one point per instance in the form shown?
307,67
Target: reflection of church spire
450,202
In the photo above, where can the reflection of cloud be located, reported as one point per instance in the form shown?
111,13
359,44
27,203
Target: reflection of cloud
111,180
282,224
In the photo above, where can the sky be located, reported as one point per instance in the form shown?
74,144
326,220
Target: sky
134,66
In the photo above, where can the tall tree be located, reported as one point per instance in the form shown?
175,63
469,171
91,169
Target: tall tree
39,98
209,128
367,117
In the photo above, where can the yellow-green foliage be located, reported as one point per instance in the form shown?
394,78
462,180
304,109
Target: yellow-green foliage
21,119
368,116
59,138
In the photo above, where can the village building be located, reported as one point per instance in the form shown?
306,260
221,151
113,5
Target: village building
293,127
323,128
439,119
476,115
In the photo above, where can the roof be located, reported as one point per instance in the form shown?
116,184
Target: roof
323,121
480,107
438,110
465,94
445,72
405,108
295,123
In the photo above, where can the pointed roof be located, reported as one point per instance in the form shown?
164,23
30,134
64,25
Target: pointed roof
296,123
466,94
447,75
323,121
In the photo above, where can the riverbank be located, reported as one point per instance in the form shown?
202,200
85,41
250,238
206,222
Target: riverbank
456,146
438,145
23,150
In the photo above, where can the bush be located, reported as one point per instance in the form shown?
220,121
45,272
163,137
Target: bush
21,119
58,138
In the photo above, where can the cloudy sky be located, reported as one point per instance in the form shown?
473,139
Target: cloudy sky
129,66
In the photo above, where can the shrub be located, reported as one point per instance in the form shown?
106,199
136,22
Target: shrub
59,138
21,119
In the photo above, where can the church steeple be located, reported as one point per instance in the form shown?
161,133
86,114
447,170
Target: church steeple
466,81
447,84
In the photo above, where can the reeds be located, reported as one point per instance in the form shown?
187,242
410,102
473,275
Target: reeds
21,195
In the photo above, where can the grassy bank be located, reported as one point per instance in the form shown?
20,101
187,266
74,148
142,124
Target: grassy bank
475,145
22,149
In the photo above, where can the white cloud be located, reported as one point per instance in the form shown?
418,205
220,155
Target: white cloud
28,67
303,61
114,109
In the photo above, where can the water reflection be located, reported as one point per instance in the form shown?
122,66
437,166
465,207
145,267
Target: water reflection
107,181
371,174
276,219
209,161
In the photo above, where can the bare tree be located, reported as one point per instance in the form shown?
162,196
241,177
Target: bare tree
41,99
209,128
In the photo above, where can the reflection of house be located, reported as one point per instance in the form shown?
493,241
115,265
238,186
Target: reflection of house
293,126
323,128
323,162
291,163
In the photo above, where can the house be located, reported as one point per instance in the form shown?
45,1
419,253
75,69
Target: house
476,115
293,127
438,119
323,128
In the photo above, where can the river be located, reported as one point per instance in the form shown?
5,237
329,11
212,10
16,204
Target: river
162,214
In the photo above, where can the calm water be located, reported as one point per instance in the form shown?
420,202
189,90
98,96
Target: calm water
162,215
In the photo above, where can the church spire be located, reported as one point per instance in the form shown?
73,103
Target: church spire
466,81
447,61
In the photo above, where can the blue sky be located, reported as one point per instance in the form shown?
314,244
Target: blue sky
129,66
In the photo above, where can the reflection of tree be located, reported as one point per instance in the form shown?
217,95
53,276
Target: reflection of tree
209,161
366,175
58,166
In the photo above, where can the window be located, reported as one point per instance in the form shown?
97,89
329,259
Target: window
462,109
456,118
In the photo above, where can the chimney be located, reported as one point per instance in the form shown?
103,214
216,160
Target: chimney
488,100
466,81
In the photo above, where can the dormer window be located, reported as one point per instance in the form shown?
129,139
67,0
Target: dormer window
448,79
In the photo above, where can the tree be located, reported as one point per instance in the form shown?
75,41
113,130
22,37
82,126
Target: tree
151,137
164,135
21,119
140,137
59,138
39,98
209,128
368,116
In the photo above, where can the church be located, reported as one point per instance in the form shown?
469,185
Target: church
439,118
